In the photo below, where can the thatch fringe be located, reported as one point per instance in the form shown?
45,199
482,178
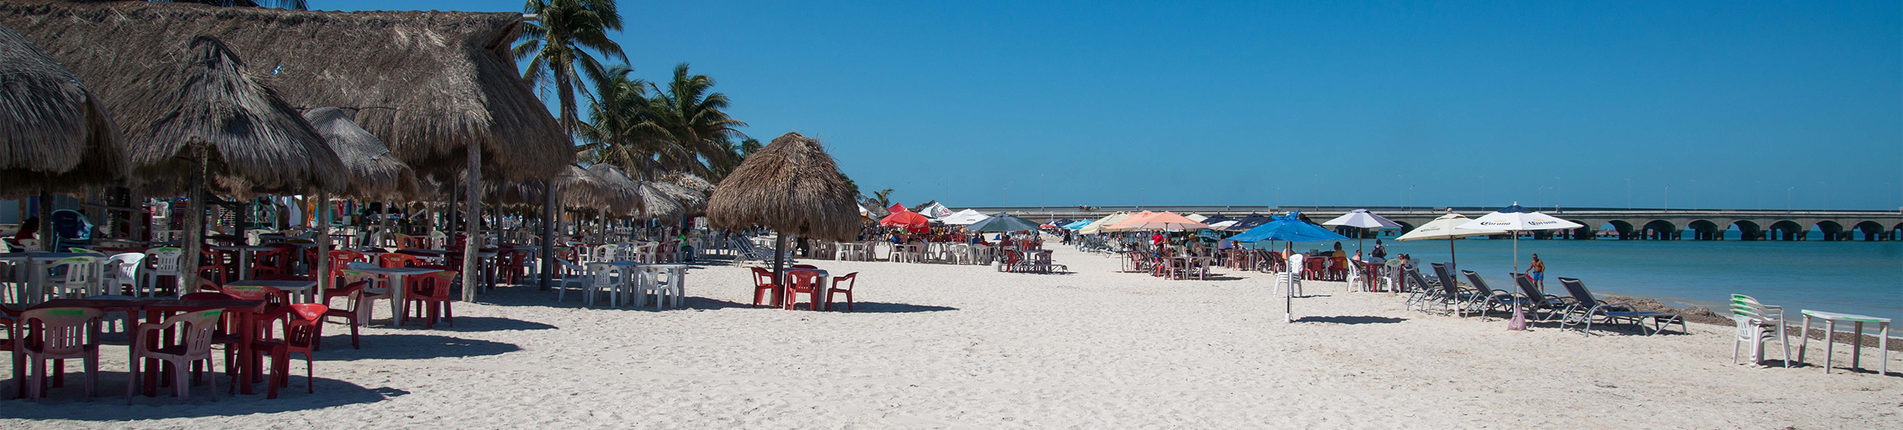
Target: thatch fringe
211,107
54,135
617,193
430,84
791,186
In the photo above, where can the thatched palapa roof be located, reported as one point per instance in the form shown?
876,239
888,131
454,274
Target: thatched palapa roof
210,106
430,84
791,186
54,135
373,171
617,192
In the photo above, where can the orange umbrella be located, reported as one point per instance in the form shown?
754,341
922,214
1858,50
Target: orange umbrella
908,220
1162,221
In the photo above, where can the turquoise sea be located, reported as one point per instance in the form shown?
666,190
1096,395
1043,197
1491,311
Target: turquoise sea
1854,277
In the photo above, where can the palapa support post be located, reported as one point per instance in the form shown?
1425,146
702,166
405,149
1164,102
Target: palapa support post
779,267
323,243
472,217
548,233
194,228
47,234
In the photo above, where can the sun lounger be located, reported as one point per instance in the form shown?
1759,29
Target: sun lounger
1420,289
1543,307
1587,309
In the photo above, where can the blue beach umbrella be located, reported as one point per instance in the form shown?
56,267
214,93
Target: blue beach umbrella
1076,225
1290,228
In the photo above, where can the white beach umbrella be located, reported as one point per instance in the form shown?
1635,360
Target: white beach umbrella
1361,218
1196,217
964,217
1222,225
1447,227
1516,219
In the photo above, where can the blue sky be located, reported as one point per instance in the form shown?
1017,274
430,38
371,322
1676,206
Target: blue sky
1729,104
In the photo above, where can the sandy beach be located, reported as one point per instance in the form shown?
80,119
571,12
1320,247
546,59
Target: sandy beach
967,347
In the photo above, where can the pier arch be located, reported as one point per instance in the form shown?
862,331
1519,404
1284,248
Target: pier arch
1786,230
1871,230
1659,229
1831,230
1705,230
1624,228
1748,230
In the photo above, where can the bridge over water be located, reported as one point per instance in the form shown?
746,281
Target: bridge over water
1630,224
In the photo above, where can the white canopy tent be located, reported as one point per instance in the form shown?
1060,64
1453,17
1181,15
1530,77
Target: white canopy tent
964,217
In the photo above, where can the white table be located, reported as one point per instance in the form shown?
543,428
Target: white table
244,257
824,287
627,281
394,283
1830,330
307,289
35,289
676,284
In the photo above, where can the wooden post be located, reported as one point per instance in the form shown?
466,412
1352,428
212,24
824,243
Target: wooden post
323,243
548,233
472,186
47,235
194,228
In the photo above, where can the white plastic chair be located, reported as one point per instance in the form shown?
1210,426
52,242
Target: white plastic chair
165,262
1291,278
122,270
1757,324
81,277
601,277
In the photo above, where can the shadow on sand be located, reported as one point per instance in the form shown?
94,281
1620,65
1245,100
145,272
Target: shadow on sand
1351,320
408,347
70,402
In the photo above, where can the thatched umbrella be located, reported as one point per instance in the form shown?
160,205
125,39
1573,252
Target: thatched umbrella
792,187
432,85
54,135
213,120
629,198
373,172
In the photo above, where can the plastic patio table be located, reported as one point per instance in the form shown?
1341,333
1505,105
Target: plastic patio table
395,276
1856,342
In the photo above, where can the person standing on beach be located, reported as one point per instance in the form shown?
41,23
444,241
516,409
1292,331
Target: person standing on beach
1537,271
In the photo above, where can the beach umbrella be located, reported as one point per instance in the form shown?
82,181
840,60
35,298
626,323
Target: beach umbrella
1249,222
792,187
1213,219
1097,226
1196,217
55,136
1223,225
1002,223
1291,228
1450,226
964,217
373,172
1361,218
1515,219
1159,221
216,122
911,221
1076,225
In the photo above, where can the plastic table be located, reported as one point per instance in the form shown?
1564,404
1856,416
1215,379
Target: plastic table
1856,342
35,289
395,276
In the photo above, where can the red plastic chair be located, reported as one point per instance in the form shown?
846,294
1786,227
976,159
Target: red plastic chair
200,327
802,281
763,283
850,279
301,323
353,300
430,293
58,334
396,259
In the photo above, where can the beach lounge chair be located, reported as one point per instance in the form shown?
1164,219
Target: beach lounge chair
1757,323
1544,307
1452,299
1587,309
1486,298
1419,289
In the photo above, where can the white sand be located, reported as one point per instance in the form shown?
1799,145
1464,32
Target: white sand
964,346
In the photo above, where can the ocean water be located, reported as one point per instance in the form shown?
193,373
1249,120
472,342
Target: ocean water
1854,277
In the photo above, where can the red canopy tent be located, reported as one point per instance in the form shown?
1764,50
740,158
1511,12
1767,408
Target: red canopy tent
908,220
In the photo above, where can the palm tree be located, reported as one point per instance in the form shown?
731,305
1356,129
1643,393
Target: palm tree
554,46
613,133
692,122
879,199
